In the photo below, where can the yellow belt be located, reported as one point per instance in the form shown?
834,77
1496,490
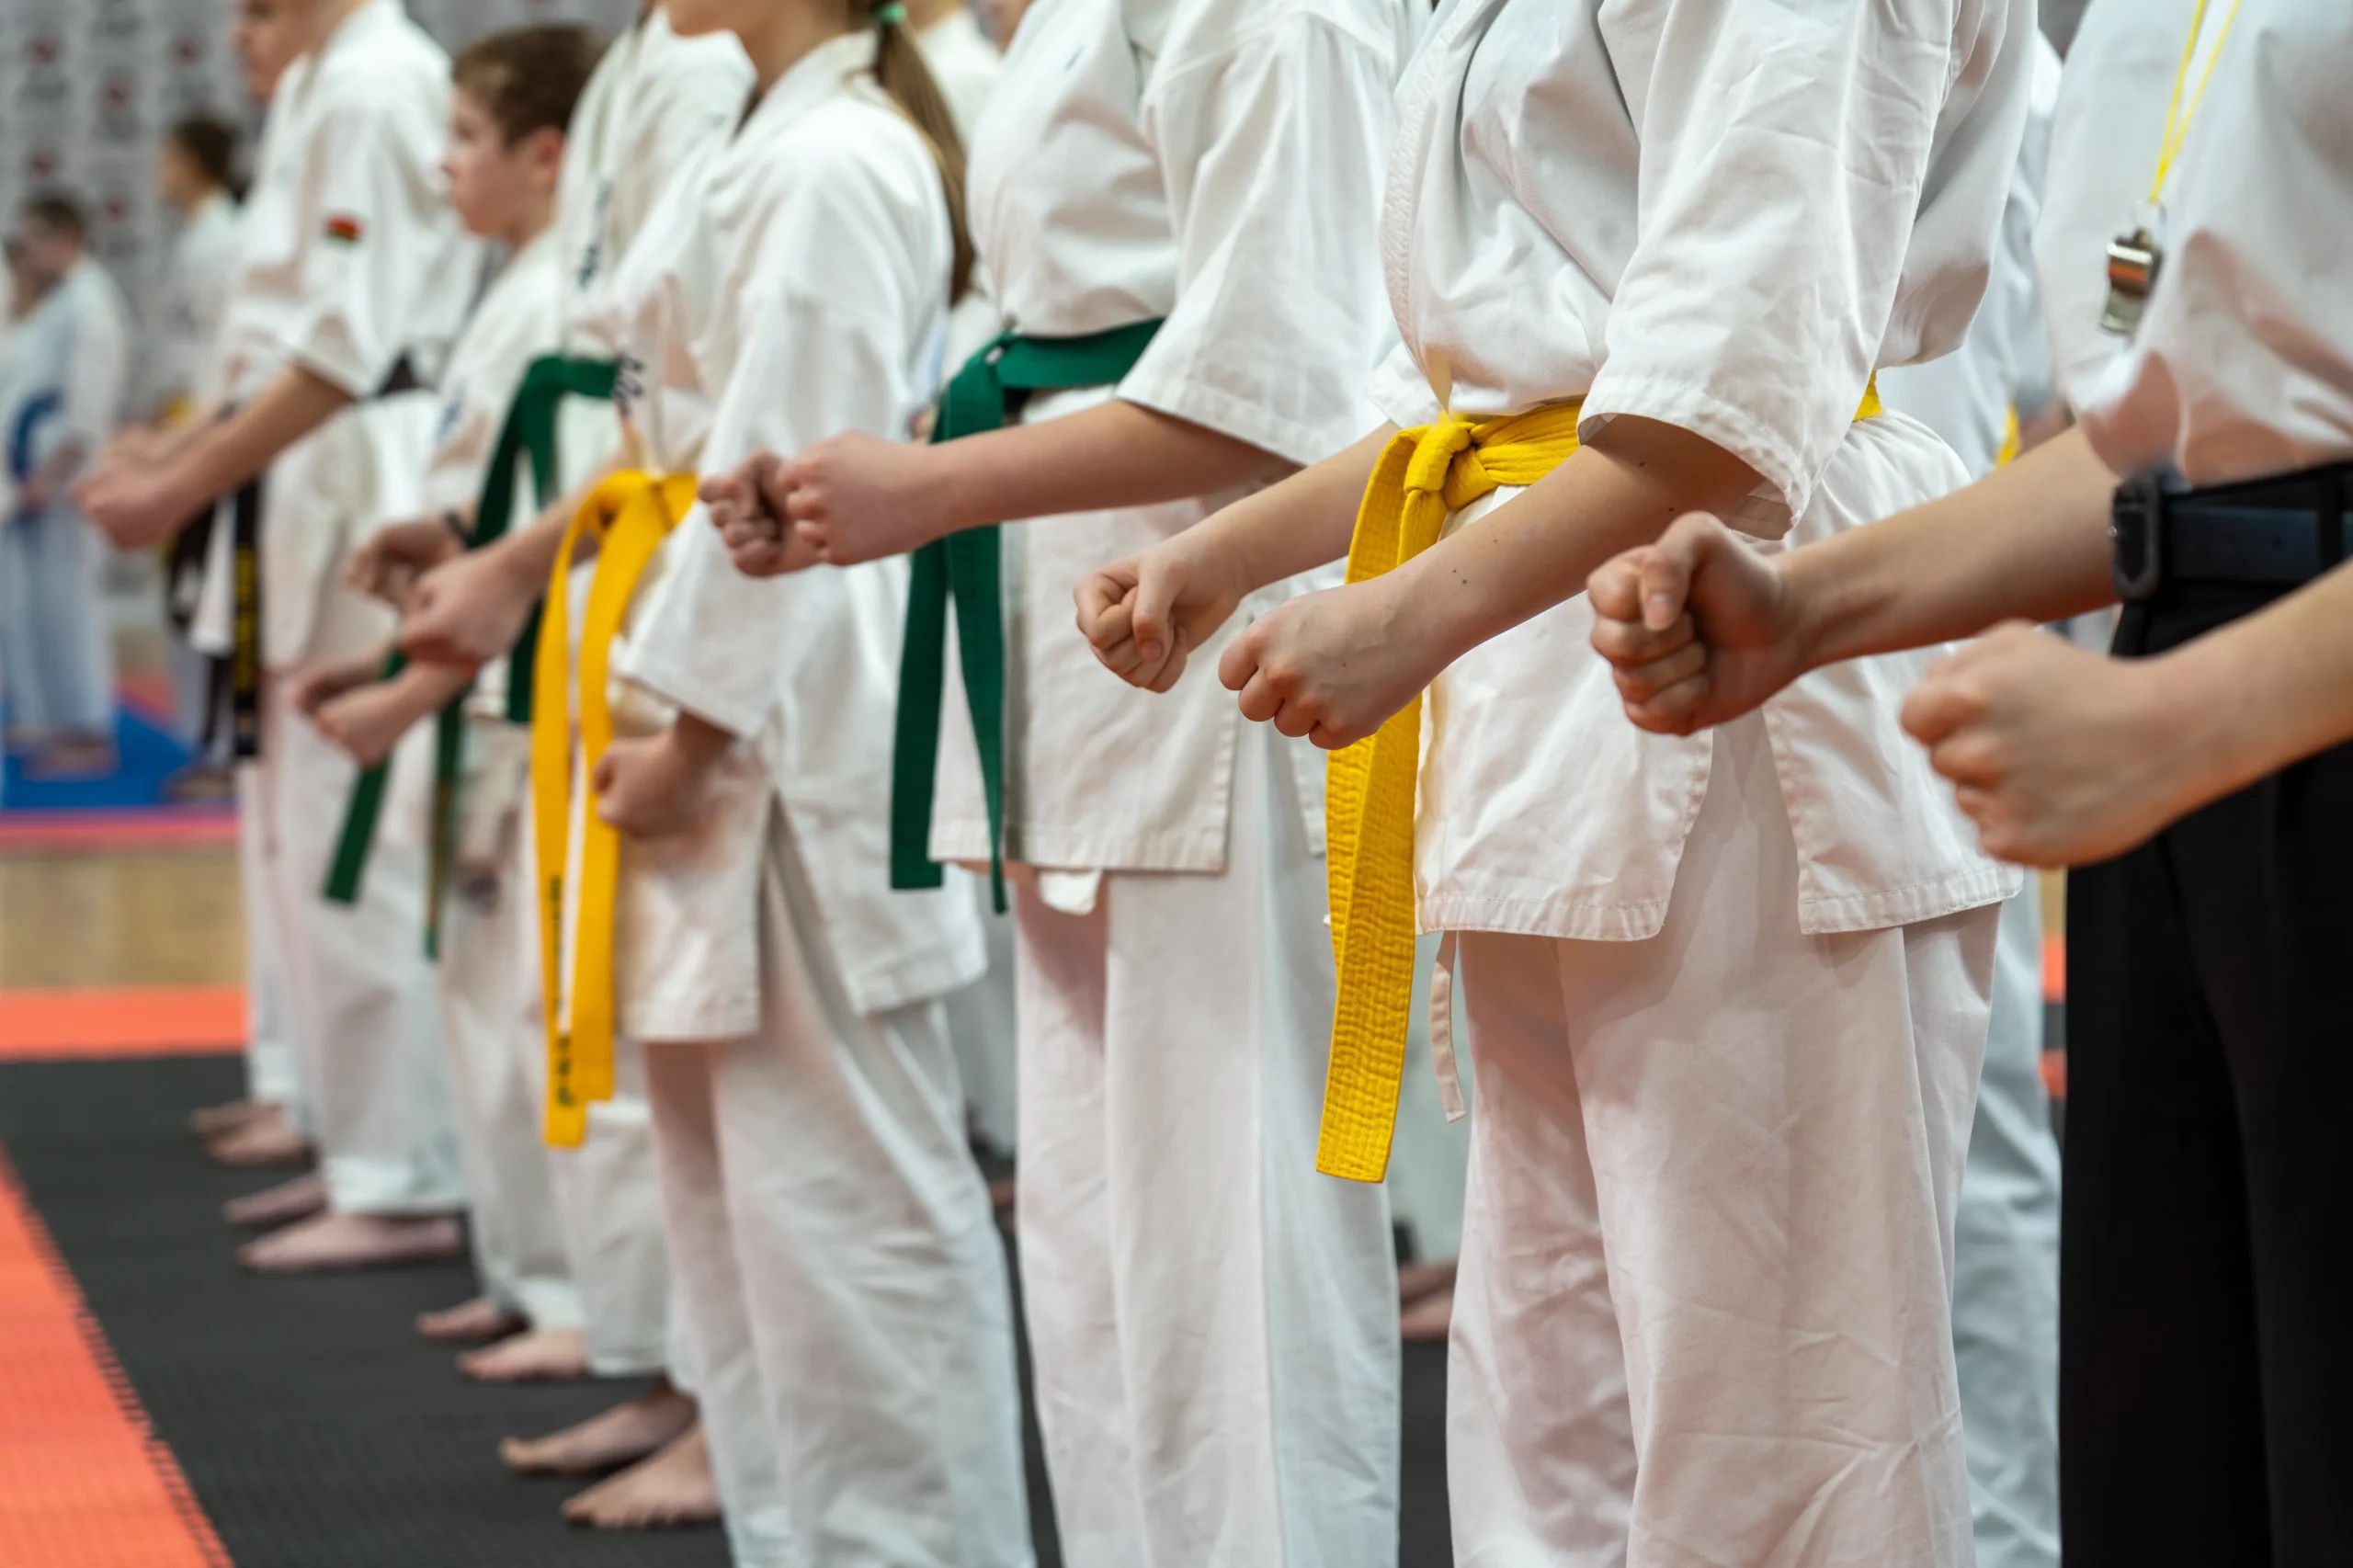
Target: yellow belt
630,515
1424,475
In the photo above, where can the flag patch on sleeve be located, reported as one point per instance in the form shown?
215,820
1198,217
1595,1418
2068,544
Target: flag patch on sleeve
343,228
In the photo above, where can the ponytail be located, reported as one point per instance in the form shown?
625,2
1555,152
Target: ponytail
899,66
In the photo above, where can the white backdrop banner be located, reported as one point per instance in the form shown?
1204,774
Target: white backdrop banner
89,87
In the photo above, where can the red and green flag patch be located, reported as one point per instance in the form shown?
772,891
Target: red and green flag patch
343,228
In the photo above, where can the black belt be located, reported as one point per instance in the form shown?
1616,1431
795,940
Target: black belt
2272,533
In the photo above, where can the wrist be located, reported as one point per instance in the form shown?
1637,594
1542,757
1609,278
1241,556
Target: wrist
698,742
950,487
2200,730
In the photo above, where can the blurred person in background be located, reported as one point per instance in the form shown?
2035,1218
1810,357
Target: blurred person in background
69,365
194,178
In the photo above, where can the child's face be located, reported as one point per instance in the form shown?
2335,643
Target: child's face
495,185
270,35
176,179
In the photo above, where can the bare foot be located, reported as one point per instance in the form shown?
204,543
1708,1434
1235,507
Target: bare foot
214,1119
268,1139
673,1490
623,1435
280,1205
74,758
540,1356
1429,1319
477,1321
331,1241
1415,1281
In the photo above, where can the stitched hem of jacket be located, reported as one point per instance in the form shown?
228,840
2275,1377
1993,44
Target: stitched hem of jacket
1589,921
921,977
1197,850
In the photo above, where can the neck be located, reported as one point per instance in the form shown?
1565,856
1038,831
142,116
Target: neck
528,227
925,14
788,34
330,16
189,205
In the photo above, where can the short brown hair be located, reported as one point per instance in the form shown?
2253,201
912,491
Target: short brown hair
60,212
210,144
529,78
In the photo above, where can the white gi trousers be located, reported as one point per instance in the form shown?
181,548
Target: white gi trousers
273,1070
1214,1324
981,1023
2005,1270
361,999
840,1275
1704,1309
1429,1162
489,976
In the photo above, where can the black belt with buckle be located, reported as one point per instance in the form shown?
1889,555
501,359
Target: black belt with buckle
2272,533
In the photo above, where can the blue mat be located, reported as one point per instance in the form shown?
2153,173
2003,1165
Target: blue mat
150,756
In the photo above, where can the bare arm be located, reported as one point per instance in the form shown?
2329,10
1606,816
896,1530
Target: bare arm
1702,627
856,497
470,608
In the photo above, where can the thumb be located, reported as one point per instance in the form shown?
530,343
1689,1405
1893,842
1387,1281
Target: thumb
1666,569
607,774
1155,604
1947,699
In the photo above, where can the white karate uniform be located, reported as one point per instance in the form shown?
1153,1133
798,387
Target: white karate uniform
838,1265
2005,1255
1214,1323
350,264
964,64
204,260
653,111
489,964
1727,994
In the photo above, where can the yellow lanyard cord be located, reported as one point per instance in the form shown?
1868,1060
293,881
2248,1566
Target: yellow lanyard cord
2177,116
630,515
1424,475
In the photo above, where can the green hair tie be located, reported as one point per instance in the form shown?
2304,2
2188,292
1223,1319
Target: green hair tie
891,15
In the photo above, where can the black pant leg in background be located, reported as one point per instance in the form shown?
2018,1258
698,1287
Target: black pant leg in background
2207,1326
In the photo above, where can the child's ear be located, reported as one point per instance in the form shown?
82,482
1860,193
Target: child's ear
547,154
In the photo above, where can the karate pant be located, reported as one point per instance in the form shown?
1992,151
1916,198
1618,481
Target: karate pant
489,972
2206,1364
980,1022
1704,1311
1214,1324
1429,1166
2005,1270
840,1275
55,644
361,999
273,1070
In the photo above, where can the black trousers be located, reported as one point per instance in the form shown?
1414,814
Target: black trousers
2206,1376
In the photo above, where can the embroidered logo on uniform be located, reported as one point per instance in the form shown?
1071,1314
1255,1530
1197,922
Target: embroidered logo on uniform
343,228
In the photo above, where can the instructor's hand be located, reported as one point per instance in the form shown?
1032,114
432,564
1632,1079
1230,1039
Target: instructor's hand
1145,616
1699,628
2061,757
856,497
468,610
1331,665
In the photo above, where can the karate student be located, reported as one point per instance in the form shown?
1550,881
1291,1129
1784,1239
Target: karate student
2203,1369
351,281
195,167
2005,1252
838,1269
1175,205
59,650
514,95
656,107
1726,997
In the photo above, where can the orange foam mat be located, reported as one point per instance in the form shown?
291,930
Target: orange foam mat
121,1021
85,1483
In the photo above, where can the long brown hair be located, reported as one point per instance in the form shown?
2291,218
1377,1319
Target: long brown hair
899,66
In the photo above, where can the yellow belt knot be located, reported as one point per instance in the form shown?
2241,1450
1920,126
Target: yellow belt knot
1424,475
628,515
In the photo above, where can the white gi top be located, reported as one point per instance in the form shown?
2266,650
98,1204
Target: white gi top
2242,365
518,318
62,373
2005,363
350,261
655,103
1663,207
204,258
97,383
830,236
1215,163
964,64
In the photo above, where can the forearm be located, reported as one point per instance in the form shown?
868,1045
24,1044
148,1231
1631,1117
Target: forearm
1113,455
1304,522
429,687
2268,690
1620,491
2028,542
220,457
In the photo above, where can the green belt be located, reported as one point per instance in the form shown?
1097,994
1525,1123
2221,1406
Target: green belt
969,568
529,432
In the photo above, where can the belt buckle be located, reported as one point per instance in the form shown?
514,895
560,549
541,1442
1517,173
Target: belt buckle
2137,530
